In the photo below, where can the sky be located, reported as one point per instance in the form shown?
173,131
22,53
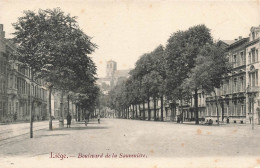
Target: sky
125,30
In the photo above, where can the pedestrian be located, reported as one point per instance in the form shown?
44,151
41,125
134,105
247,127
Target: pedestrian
68,120
228,120
250,117
86,120
99,118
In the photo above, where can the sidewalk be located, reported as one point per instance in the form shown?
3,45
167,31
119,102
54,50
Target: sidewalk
15,130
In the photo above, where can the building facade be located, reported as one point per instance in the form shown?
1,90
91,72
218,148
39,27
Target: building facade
3,75
238,97
19,93
252,76
231,96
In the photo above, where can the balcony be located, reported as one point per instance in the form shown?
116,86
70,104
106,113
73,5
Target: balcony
23,96
253,89
12,92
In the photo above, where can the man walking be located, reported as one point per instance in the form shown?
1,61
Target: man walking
68,120
99,118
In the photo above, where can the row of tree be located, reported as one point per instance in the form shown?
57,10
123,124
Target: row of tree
51,43
189,62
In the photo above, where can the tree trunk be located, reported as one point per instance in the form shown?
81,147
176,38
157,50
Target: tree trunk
161,108
149,112
143,110
50,119
154,108
128,112
217,106
32,119
133,112
61,120
68,98
136,111
182,116
77,115
139,110
196,106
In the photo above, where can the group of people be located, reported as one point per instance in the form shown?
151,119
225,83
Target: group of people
69,118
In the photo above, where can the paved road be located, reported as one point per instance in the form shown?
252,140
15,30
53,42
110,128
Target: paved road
143,139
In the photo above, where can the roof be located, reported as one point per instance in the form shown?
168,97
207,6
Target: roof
238,42
229,42
122,73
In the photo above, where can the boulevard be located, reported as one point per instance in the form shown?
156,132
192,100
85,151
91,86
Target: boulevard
153,139
117,84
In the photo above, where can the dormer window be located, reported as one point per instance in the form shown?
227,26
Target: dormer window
253,35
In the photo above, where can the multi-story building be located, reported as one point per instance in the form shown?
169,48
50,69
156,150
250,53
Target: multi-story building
231,96
252,75
3,74
19,92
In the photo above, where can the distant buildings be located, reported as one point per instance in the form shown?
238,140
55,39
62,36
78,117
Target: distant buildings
113,76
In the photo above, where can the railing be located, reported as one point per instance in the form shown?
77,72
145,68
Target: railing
12,91
253,89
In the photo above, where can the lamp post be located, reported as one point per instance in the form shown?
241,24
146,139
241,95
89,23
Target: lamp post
31,115
31,87
251,101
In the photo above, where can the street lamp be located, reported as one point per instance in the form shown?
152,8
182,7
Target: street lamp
251,101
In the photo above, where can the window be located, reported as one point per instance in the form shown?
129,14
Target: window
235,110
256,55
253,79
256,78
228,86
235,60
242,58
253,55
235,85
249,57
242,84
253,35
242,111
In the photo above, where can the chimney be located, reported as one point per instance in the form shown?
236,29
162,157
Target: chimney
1,27
240,37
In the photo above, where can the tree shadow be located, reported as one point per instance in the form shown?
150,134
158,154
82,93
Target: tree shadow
41,136
78,128
88,123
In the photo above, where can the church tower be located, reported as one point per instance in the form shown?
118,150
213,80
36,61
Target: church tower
111,68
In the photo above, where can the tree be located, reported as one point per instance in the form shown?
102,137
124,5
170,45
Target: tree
55,48
210,67
181,51
159,67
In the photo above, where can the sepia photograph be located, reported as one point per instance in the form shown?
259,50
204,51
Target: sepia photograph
129,84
